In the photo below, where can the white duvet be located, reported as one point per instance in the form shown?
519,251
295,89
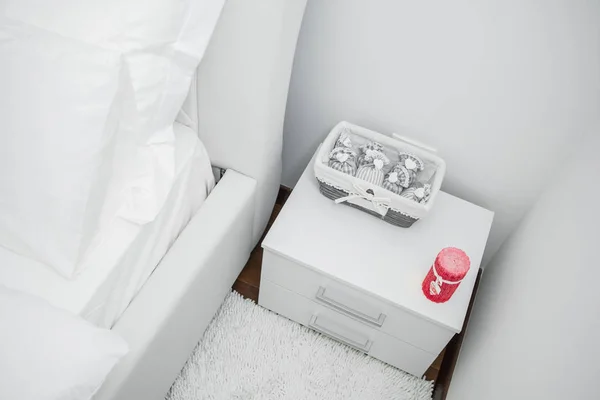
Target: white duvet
125,259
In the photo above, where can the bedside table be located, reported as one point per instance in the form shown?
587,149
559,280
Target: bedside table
358,279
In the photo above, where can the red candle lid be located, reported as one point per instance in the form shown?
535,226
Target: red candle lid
452,264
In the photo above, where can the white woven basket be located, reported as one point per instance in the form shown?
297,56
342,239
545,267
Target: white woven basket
371,198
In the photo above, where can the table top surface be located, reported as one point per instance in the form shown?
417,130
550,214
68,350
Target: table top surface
375,257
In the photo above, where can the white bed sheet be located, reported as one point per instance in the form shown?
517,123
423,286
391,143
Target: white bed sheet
126,259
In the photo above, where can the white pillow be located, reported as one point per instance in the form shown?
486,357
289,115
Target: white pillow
59,110
53,207
162,42
50,354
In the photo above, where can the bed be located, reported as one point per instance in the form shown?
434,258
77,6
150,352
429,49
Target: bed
122,263
236,105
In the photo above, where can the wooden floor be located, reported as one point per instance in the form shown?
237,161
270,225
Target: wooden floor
248,282
248,285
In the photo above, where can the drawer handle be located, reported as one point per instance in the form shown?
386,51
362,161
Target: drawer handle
364,347
347,310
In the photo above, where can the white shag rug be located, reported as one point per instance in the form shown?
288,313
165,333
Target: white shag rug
249,352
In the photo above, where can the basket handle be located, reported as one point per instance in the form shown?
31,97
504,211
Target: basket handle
414,143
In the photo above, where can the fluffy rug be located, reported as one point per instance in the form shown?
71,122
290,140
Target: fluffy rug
249,352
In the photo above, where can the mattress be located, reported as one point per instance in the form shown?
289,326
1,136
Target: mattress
126,258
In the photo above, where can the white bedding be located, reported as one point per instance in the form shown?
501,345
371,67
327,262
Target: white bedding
122,264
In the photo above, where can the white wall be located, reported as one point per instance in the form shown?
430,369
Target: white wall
535,326
497,86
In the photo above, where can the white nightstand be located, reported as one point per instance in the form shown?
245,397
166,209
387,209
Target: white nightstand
357,279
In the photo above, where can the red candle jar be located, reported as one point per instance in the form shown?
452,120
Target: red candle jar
450,267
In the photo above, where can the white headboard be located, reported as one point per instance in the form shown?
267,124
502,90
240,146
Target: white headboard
237,103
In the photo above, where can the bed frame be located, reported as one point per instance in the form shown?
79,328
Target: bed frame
237,105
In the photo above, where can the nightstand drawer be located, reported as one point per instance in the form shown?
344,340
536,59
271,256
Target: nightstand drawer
344,329
353,303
